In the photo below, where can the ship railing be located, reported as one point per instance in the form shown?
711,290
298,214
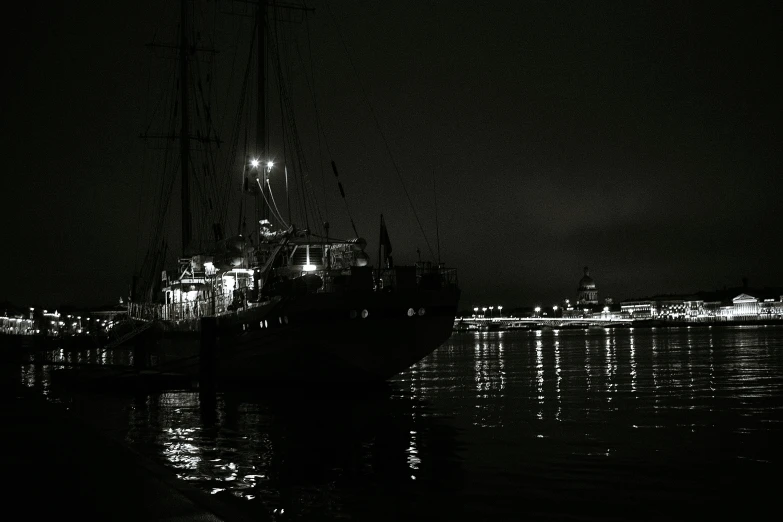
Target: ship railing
426,277
448,276
400,278
208,306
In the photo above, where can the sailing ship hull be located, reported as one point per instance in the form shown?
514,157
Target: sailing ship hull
320,337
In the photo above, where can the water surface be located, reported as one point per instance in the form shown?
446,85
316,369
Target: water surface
625,424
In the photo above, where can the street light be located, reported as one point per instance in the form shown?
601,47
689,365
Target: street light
538,309
490,311
500,310
484,311
475,311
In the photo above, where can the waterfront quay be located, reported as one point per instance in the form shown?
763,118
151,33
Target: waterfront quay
739,305
604,320
42,322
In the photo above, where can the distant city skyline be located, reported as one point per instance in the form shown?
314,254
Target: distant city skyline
602,300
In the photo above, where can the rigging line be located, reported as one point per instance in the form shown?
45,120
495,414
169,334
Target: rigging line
380,130
143,171
307,192
160,223
243,197
165,94
342,193
217,192
285,152
138,215
286,105
287,194
311,88
166,182
274,214
233,62
293,136
164,193
238,119
230,163
287,111
198,122
162,96
200,101
243,95
208,163
213,17
320,133
437,227
272,196
318,127
198,217
155,218
310,202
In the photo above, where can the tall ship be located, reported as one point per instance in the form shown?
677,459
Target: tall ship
281,299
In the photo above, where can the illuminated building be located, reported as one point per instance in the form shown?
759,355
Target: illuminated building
587,293
745,305
771,307
17,325
742,306
641,309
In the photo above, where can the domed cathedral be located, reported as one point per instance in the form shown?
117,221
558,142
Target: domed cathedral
587,293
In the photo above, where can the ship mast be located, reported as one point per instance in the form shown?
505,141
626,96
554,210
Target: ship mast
261,114
184,138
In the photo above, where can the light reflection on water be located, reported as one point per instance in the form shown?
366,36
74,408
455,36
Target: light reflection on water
552,424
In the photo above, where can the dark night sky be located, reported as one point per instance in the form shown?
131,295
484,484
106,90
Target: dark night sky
639,138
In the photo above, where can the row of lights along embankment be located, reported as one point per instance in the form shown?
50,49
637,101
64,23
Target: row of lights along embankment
484,309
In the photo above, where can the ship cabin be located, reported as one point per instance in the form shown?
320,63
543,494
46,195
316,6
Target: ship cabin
240,276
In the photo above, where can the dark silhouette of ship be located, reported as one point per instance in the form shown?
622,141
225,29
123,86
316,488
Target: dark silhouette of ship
284,302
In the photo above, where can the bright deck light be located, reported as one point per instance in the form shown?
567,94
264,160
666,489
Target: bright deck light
255,163
308,268
270,164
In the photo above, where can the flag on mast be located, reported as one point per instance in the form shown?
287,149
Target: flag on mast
384,246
